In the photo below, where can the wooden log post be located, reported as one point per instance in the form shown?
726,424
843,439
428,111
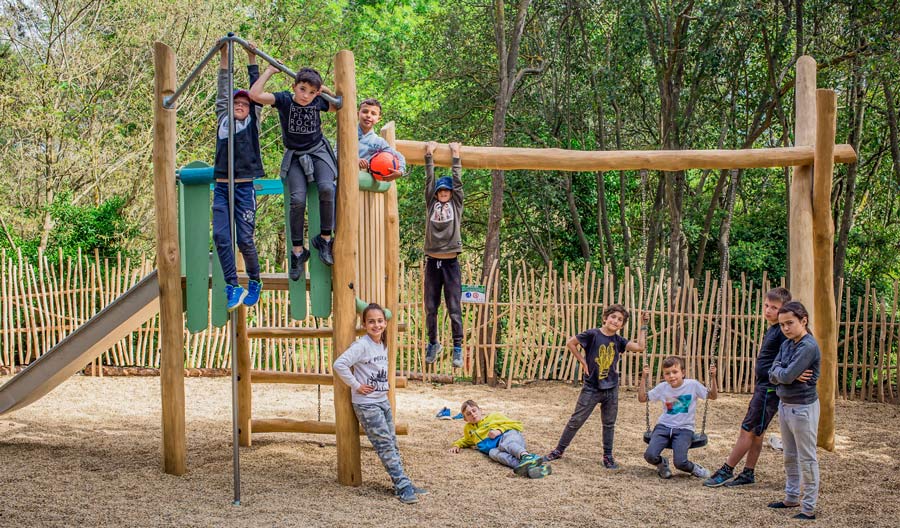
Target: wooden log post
346,246
392,272
171,319
800,219
823,229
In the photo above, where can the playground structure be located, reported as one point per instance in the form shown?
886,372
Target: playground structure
359,267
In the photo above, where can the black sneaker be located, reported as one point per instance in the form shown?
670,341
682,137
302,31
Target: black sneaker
297,262
609,462
743,479
324,247
720,477
556,454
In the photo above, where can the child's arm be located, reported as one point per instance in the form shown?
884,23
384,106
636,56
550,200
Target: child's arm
258,91
253,74
573,346
342,366
222,86
804,356
456,169
713,392
642,386
429,171
641,343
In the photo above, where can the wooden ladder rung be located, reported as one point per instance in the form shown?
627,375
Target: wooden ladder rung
286,425
300,378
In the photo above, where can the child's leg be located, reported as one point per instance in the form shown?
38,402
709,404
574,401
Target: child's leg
805,432
377,420
587,400
453,296
609,410
791,467
325,182
297,183
659,439
434,281
245,224
681,443
222,232
510,449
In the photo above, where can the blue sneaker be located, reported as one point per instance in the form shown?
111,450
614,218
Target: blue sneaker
431,352
443,414
235,296
253,290
457,357
459,416
527,461
408,495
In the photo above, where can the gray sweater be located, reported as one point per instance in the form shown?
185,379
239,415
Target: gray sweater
792,359
370,363
442,225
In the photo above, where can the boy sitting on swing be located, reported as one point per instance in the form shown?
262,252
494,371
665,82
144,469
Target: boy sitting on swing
676,424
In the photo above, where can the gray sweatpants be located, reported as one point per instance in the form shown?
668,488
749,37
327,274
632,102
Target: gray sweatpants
378,421
799,428
510,449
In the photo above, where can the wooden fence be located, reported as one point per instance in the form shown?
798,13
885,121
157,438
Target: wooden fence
521,330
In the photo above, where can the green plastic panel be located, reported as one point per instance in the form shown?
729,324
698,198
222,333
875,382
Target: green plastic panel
319,273
296,289
195,254
370,184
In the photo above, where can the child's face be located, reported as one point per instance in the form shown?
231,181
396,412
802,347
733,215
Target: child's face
443,195
304,93
241,108
473,415
369,116
674,375
375,324
614,322
770,310
791,327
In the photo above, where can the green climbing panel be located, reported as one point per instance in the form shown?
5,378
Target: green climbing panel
194,215
319,273
296,289
219,309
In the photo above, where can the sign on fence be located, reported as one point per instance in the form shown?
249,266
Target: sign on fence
473,294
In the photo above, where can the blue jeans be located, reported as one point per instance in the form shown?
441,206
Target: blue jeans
510,449
378,421
799,430
681,441
608,399
244,225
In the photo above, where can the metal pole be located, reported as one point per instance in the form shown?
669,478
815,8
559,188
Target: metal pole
235,434
169,101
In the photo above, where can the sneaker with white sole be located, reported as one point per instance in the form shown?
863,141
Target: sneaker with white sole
235,295
700,471
719,478
431,352
443,414
254,288
457,357
662,469
408,495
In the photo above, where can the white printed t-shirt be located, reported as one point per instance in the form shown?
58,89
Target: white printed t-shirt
679,405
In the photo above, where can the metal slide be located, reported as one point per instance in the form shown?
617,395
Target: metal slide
98,334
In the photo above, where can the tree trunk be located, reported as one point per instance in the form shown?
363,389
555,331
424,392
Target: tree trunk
707,224
576,219
604,222
655,227
891,111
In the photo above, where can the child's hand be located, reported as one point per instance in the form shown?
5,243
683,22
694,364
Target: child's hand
251,52
645,317
584,366
713,370
393,176
429,148
494,433
646,371
365,389
363,164
454,450
805,376
272,70
454,149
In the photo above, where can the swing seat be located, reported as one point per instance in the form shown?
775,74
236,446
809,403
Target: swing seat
699,440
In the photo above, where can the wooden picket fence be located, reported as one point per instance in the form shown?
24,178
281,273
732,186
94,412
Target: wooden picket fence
520,332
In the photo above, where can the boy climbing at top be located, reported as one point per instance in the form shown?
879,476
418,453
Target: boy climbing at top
308,157
443,244
247,166
371,143
500,438
675,426
603,347
763,405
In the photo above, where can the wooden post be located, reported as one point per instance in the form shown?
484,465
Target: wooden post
392,271
823,228
346,245
800,220
242,363
171,320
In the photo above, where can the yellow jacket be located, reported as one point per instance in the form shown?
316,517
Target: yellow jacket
476,434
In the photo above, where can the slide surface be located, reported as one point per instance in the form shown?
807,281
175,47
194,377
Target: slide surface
98,334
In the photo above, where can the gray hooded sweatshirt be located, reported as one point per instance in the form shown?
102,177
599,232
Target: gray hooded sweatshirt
370,363
442,225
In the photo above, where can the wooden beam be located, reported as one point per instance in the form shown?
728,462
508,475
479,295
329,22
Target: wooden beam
168,261
392,272
301,378
509,158
346,246
286,332
823,230
286,425
800,219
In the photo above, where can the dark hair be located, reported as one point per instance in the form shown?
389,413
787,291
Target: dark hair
369,102
369,308
780,294
671,361
799,311
468,403
615,308
308,76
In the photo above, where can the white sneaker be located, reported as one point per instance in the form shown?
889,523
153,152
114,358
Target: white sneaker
700,471
775,442
662,469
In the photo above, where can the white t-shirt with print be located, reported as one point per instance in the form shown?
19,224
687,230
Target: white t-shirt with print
679,405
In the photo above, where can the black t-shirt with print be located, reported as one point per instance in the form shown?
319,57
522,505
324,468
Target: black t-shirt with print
771,344
301,126
602,353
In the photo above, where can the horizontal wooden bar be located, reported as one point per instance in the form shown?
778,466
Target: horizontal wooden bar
509,158
288,332
301,378
286,425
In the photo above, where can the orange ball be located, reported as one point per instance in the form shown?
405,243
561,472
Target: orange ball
383,165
